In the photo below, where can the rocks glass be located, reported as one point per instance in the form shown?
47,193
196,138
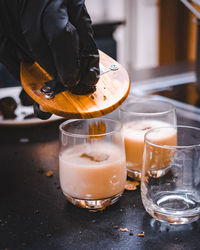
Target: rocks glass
137,118
92,165
175,196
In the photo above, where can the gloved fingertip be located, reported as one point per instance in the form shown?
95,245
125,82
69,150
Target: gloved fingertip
39,113
82,89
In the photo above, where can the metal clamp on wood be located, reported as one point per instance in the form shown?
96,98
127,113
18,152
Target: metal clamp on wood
48,93
104,70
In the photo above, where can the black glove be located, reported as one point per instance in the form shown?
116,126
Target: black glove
55,33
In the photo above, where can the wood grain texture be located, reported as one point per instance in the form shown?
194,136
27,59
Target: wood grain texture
112,89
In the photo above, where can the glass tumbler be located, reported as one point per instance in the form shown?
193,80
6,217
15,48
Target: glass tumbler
92,164
175,196
137,118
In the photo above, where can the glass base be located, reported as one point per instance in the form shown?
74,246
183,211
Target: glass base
173,207
157,173
173,220
94,205
136,175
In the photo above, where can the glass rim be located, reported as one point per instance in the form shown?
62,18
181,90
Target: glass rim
118,128
168,146
172,108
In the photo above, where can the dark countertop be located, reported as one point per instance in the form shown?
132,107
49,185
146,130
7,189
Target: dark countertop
35,215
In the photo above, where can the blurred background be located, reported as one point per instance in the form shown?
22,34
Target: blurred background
151,39
152,32
156,41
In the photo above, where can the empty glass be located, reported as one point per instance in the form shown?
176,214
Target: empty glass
175,196
137,118
92,165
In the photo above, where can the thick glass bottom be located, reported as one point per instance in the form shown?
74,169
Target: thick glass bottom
136,175
179,207
94,205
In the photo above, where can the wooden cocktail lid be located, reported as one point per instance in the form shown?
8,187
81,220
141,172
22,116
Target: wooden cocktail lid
111,90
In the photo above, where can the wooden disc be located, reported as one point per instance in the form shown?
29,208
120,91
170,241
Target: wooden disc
112,89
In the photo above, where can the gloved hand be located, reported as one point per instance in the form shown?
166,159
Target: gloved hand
55,33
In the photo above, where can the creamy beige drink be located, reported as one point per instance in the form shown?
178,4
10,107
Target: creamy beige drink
134,140
92,170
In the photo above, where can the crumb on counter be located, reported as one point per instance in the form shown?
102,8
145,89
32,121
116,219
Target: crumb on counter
49,173
131,185
142,234
123,229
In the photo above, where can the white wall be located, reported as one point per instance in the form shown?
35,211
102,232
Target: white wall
138,40
147,34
